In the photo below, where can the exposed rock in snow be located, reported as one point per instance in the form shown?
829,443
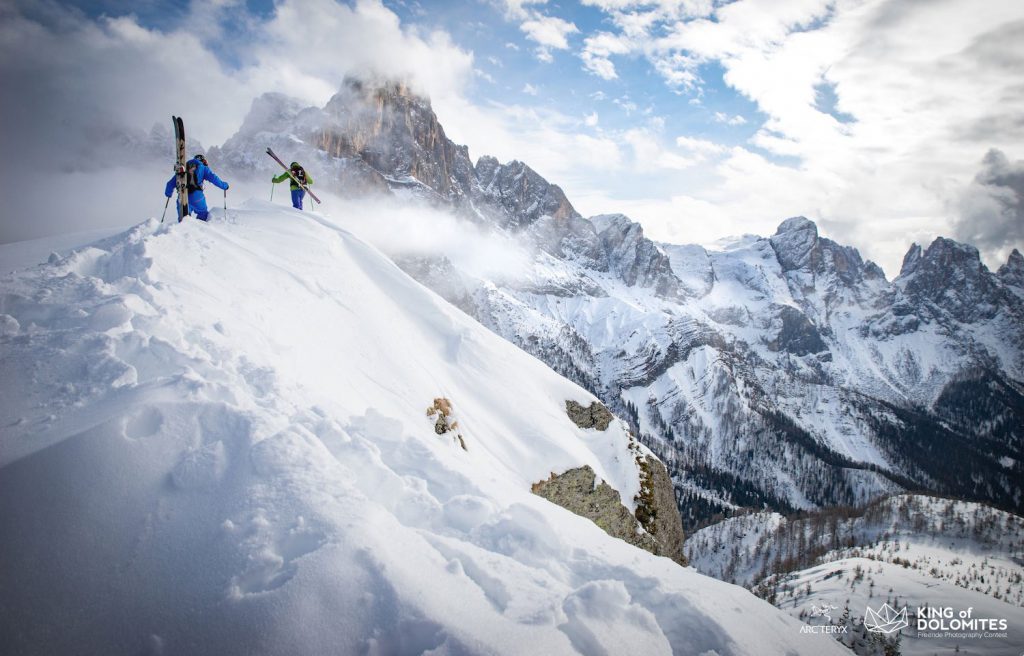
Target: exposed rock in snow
578,491
593,416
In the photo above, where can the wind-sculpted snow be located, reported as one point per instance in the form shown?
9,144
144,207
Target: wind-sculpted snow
215,442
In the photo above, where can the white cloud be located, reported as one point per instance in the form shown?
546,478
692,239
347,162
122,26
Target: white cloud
590,120
649,154
922,90
626,104
529,89
700,146
520,9
549,32
597,50
722,117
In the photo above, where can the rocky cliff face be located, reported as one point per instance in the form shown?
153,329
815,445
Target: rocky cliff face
396,133
1011,274
948,280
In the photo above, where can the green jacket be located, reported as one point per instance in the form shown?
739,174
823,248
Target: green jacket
284,176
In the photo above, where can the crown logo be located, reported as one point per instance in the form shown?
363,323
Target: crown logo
885,620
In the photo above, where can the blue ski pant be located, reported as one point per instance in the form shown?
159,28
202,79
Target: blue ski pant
297,196
197,205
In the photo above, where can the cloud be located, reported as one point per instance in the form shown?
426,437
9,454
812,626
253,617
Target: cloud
992,207
597,50
549,32
722,117
651,155
917,93
702,147
520,9
626,104
529,89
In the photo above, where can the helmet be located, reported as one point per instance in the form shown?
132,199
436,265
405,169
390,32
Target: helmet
296,165
201,158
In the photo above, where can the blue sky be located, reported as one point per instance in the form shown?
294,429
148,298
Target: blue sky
698,118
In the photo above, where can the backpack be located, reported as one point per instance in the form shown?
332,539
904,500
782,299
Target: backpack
300,174
192,182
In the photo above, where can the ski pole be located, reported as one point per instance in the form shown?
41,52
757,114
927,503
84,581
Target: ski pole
272,185
166,203
225,203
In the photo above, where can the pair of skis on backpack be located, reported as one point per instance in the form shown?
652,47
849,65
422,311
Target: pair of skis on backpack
181,175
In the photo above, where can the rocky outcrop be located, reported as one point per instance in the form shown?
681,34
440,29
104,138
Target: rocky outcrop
797,334
656,509
521,192
948,278
1012,273
578,491
636,259
799,248
656,527
593,416
396,132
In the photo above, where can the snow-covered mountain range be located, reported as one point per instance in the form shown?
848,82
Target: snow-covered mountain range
215,442
780,371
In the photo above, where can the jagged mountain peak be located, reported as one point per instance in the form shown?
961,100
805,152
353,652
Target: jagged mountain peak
636,259
795,224
1012,273
950,277
604,221
271,110
524,194
942,253
794,242
808,257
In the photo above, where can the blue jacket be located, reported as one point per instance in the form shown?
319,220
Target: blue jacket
203,174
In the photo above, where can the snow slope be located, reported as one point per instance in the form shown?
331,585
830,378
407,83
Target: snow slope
214,441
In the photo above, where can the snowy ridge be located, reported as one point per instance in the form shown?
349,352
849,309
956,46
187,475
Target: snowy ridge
218,444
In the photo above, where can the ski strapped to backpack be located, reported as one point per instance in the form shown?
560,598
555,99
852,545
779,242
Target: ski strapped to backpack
181,175
302,185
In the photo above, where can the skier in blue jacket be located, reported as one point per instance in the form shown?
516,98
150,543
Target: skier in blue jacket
197,171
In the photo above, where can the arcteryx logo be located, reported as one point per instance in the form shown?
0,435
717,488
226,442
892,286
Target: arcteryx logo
885,620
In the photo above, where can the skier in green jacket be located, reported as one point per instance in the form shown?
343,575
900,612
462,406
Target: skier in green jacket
299,173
